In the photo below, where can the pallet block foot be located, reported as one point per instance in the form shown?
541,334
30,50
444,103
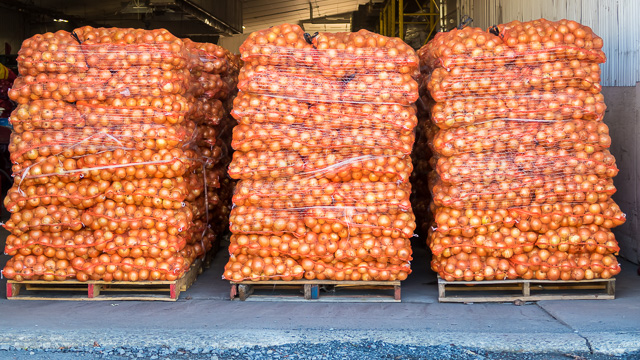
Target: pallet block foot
173,292
13,289
233,292
611,288
244,291
93,290
311,291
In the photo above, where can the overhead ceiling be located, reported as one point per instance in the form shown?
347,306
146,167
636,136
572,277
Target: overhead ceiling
261,14
203,20
185,18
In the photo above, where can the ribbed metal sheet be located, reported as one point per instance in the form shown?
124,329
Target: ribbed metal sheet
616,21
261,14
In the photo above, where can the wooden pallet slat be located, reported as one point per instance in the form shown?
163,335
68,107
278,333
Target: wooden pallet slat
312,290
92,290
524,290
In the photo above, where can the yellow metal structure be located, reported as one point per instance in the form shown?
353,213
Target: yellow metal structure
393,17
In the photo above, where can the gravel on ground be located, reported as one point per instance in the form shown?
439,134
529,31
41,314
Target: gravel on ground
323,351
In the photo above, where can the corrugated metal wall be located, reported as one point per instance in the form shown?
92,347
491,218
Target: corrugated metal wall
616,21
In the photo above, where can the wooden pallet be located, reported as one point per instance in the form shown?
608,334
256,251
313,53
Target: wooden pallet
316,290
524,290
102,290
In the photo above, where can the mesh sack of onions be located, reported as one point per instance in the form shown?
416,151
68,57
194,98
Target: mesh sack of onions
105,161
522,174
322,152
214,73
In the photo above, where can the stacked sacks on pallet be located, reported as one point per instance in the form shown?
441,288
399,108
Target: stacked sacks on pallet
102,154
215,77
220,215
523,175
323,157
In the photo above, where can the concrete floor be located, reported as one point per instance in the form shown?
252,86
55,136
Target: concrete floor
205,317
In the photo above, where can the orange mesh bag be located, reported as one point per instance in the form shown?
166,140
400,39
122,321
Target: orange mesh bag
521,162
323,145
117,133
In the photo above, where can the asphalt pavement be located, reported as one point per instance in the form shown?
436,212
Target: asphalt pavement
204,319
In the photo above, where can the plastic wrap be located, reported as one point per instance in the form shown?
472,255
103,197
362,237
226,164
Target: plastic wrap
521,162
474,76
559,265
208,58
508,241
335,55
110,178
382,88
100,85
251,109
323,154
101,48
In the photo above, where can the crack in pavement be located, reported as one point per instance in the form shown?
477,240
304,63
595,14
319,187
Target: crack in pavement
575,331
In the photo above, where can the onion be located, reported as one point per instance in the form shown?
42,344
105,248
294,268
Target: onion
100,85
260,109
209,58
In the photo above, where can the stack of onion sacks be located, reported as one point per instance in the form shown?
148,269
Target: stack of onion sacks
102,154
522,173
323,157
219,217
215,75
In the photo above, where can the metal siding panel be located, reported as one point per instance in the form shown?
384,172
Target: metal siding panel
488,11
635,44
573,8
629,52
484,13
477,8
607,28
560,8
261,14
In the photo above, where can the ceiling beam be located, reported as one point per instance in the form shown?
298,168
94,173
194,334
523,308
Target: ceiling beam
303,14
192,8
75,21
